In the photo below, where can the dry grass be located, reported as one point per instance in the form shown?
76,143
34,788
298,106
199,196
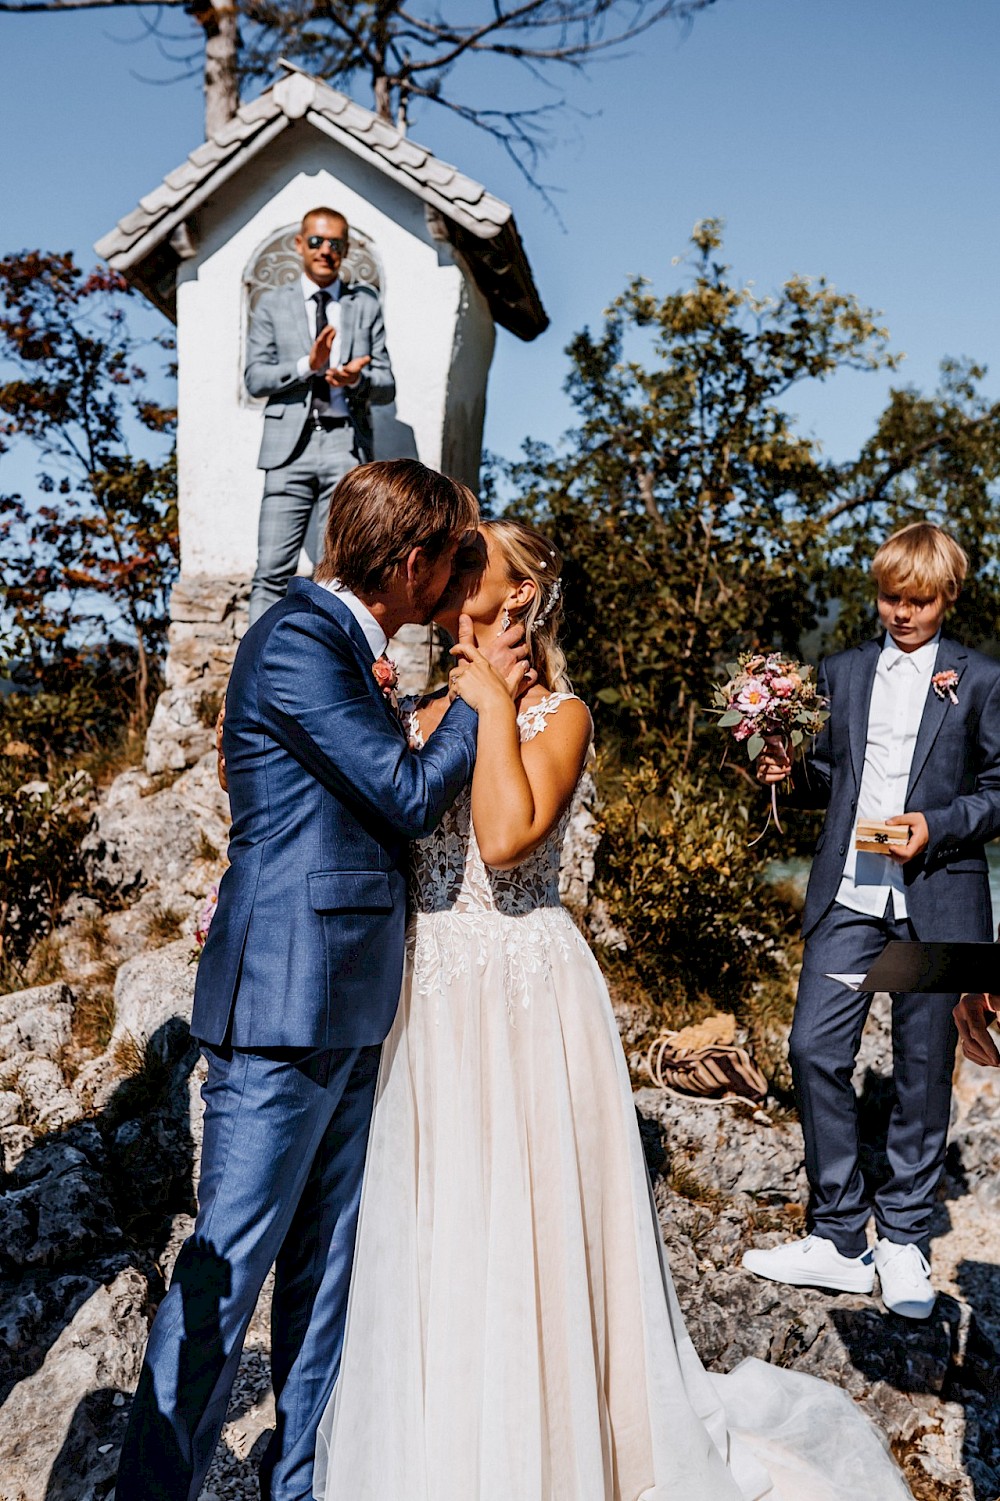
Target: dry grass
42,966
130,1055
206,849
93,933
164,924
107,761
924,1487
689,1186
94,1013
160,782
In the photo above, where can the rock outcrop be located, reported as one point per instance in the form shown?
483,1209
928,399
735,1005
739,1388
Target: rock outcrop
100,1130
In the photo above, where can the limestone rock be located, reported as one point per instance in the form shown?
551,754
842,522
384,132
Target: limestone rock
199,788
208,620
729,1149
46,1100
10,1108
154,993
57,1212
210,600
61,1431
181,729
36,1020
138,839
414,652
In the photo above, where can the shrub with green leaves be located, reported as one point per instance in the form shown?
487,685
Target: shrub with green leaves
42,824
677,876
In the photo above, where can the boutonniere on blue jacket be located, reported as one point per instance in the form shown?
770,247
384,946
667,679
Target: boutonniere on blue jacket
945,683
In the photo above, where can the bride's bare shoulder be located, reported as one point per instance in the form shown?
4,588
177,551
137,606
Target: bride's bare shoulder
566,716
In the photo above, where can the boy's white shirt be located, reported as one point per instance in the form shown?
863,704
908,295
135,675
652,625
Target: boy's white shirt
899,693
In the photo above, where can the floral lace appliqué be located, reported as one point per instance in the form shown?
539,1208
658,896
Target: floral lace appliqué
462,908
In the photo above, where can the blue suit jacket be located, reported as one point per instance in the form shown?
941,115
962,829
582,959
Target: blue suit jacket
306,945
954,782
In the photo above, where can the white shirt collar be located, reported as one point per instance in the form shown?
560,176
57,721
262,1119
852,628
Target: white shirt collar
310,288
922,658
373,632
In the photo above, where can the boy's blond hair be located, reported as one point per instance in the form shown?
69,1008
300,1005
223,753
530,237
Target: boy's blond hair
922,562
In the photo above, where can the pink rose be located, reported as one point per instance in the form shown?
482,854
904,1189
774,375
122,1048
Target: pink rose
385,674
782,687
743,730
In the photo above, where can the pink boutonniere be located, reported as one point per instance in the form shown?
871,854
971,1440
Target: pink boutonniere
945,683
385,674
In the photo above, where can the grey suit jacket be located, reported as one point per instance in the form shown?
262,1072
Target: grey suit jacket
954,782
280,335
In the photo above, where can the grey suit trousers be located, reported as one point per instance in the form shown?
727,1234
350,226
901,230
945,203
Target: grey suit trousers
294,508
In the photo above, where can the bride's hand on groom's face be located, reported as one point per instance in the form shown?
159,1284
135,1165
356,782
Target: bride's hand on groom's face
506,653
499,673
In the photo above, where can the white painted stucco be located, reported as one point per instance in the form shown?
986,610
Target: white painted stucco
439,332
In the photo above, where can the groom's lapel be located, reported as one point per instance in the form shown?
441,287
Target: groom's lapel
327,601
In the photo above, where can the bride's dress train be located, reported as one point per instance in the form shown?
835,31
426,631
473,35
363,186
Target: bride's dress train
513,1332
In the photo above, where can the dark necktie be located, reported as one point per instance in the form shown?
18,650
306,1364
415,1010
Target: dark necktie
320,389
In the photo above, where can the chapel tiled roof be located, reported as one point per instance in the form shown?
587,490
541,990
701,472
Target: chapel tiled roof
478,225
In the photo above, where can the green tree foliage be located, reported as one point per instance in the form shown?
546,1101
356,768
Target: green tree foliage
934,458
697,522
685,501
85,568
87,564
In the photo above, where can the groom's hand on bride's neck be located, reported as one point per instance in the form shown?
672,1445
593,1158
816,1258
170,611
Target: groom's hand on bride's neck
507,654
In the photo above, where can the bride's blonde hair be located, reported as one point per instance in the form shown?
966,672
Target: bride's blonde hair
530,556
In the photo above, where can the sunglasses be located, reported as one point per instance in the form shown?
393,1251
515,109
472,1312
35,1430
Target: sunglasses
336,245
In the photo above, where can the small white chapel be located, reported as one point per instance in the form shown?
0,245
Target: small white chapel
449,266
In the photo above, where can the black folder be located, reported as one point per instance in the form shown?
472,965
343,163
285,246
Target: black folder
933,968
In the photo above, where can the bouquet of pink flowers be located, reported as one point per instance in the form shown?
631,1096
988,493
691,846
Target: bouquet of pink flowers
768,696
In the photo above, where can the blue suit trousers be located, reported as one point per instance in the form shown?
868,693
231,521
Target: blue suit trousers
286,1132
824,1043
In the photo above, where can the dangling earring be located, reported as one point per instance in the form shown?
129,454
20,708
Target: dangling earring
504,621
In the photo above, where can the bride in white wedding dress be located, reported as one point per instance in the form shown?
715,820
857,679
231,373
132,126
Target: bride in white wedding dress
513,1332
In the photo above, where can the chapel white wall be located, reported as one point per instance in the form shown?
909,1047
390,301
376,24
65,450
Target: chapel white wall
439,332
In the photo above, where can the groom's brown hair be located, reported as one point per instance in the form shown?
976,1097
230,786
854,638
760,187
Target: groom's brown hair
380,512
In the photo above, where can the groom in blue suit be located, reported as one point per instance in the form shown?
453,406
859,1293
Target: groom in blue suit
913,739
300,976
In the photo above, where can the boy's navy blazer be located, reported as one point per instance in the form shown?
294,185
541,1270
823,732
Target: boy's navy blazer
306,946
954,782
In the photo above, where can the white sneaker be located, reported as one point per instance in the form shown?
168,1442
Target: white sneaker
813,1262
906,1279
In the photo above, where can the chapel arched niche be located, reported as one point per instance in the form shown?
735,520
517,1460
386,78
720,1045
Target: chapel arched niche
276,262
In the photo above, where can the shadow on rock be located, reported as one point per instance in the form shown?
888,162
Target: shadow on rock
204,1279
86,1212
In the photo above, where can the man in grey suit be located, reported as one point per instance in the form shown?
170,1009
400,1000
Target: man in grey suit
316,349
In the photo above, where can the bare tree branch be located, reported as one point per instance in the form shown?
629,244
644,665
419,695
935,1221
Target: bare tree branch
406,49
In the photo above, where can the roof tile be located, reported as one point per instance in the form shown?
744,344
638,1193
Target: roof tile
466,202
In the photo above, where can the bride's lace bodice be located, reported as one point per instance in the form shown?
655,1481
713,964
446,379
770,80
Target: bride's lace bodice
447,872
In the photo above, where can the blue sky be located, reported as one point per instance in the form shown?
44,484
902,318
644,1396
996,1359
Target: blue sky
844,138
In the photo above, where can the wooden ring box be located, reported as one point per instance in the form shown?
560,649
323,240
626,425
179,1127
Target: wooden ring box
876,838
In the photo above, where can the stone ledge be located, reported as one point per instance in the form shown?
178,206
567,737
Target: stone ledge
197,598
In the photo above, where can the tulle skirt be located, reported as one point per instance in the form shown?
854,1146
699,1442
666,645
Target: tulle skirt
513,1332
